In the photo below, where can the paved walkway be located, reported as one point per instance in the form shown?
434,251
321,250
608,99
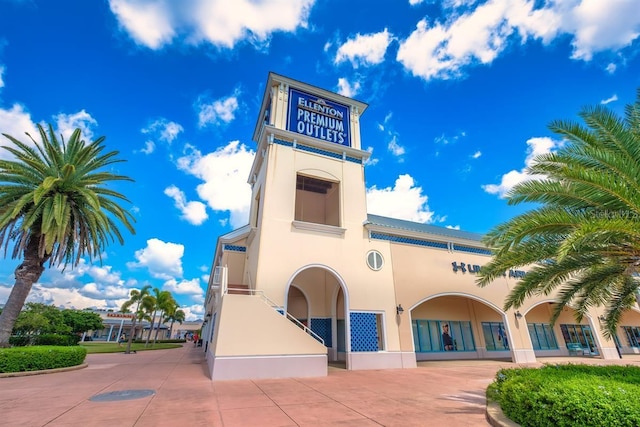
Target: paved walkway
447,394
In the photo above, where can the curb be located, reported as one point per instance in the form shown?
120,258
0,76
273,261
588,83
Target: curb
496,418
42,372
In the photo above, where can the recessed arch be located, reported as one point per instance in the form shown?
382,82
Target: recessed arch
329,303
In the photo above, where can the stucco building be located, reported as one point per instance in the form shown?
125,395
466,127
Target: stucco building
313,278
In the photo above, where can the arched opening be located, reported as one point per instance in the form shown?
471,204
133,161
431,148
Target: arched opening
455,326
317,294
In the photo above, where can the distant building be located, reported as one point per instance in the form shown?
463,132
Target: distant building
313,278
116,323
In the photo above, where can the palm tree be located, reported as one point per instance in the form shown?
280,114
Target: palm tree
583,240
164,302
56,209
143,302
174,315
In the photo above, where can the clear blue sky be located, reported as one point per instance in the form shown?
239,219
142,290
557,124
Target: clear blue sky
460,94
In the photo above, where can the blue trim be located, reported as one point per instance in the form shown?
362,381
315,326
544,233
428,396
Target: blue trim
320,151
400,239
235,248
471,250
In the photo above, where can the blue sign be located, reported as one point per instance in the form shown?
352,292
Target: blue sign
318,118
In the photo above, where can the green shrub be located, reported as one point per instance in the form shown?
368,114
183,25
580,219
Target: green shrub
569,395
55,339
21,359
19,340
43,339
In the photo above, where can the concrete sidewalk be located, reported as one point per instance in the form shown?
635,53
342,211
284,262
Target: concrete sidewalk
437,393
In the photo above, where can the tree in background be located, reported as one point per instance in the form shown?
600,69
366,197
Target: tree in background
584,238
82,321
143,302
38,318
55,208
174,315
164,302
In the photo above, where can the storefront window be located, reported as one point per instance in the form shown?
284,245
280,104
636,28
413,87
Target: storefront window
580,334
442,335
542,336
633,335
495,336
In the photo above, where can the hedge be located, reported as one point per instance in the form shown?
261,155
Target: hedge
43,339
22,359
569,395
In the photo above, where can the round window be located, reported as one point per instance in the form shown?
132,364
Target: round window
375,260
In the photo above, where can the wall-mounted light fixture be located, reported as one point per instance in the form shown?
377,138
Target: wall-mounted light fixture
602,318
399,309
518,315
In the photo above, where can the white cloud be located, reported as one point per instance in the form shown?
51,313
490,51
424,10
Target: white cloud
223,23
184,287
162,259
94,291
477,154
1,79
611,68
67,123
347,89
453,227
612,98
403,201
15,122
164,130
598,25
395,148
193,212
536,147
365,50
472,35
225,173
149,23
371,161
193,312
149,147
219,111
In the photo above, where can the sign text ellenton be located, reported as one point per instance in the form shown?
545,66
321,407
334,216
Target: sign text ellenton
125,315
318,118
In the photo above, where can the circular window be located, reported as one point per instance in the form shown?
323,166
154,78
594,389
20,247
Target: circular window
375,260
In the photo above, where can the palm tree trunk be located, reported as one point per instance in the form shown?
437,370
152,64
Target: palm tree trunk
153,321
171,330
131,333
155,338
26,274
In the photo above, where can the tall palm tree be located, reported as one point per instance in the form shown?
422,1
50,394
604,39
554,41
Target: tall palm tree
142,300
56,208
164,302
174,315
583,239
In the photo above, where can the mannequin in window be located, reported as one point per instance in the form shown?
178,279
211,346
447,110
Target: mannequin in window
447,341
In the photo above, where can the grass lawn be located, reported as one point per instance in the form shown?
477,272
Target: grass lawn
104,347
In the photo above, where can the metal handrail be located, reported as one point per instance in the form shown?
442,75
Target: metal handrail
279,309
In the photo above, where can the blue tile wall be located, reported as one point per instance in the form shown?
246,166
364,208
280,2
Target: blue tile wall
235,248
322,328
364,332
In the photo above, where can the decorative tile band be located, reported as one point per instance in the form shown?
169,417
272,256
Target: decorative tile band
469,249
400,239
235,248
314,150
